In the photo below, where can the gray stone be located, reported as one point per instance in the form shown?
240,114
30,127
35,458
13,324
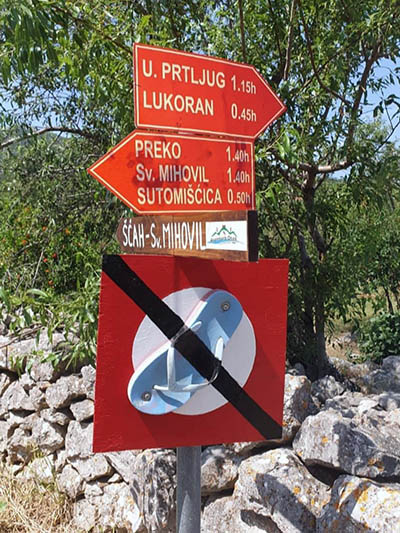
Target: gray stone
40,469
153,488
64,391
93,467
83,410
297,405
366,445
274,493
85,515
48,437
123,462
219,469
22,419
389,400
324,388
19,348
4,434
27,382
43,372
384,379
21,446
70,482
38,398
15,398
55,417
348,403
61,459
359,505
114,510
93,488
89,378
79,438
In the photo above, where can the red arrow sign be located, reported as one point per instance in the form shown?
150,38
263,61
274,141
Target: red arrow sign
188,92
162,173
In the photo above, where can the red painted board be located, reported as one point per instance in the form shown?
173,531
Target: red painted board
161,173
195,93
260,287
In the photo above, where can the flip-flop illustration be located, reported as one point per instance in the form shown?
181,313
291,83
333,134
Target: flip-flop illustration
165,380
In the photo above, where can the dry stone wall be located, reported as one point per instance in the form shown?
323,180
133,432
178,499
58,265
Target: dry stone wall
336,468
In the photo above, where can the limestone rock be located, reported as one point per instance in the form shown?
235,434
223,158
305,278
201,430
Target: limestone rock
4,434
219,469
123,462
22,419
40,469
48,437
43,372
324,388
21,446
89,377
79,438
82,410
38,398
355,373
358,505
274,493
16,398
297,405
365,445
93,467
70,482
64,391
276,486
153,488
384,379
55,417
114,510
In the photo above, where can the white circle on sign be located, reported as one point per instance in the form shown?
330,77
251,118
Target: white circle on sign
238,356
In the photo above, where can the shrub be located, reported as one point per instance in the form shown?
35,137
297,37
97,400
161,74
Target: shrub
380,336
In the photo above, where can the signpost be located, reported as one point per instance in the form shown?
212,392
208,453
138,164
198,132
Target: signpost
162,173
199,180
229,235
194,93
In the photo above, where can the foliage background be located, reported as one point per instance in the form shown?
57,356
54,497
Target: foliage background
327,171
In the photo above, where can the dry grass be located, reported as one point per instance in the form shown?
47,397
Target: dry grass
29,506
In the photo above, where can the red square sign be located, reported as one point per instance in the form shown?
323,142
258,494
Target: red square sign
254,356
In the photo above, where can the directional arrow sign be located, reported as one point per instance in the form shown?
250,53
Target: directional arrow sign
188,92
162,173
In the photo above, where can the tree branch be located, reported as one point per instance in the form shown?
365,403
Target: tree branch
290,41
315,70
48,129
88,24
242,37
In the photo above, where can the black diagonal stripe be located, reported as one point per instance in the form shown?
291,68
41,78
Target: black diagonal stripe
189,345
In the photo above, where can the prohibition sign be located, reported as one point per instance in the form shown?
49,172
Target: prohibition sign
253,412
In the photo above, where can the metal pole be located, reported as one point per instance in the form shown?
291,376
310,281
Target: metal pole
188,496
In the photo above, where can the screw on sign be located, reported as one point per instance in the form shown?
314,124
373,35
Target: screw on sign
163,173
194,93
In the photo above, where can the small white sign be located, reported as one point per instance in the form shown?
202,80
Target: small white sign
227,235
